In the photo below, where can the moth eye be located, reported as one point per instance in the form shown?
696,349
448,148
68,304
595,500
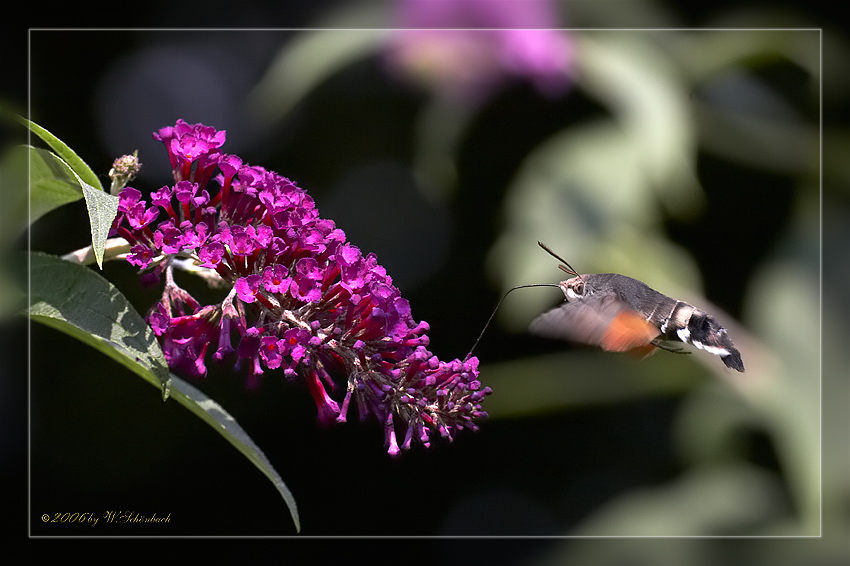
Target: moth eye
575,290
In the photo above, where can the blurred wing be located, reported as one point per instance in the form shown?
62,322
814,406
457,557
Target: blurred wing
600,320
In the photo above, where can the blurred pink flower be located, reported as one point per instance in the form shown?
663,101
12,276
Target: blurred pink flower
464,49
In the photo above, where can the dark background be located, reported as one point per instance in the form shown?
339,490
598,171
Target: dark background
101,439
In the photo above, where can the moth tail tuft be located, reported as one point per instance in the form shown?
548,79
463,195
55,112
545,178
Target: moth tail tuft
733,360
704,332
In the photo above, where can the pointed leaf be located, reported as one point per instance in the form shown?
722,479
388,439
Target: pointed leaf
81,303
52,182
68,155
52,185
102,209
215,415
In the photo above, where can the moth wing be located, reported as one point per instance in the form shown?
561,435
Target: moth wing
600,320
575,321
628,331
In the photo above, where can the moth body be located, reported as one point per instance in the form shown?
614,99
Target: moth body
619,313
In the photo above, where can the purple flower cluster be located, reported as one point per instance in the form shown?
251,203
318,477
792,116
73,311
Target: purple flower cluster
302,299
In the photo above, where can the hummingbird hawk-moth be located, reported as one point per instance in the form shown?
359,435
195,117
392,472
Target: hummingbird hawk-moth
619,314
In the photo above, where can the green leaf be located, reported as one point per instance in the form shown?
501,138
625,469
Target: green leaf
62,177
68,155
81,303
52,184
214,414
102,210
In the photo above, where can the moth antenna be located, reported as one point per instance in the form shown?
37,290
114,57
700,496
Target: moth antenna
566,268
497,308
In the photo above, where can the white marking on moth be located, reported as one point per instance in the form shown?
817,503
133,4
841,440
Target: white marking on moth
650,315
667,320
716,350
680,317
572,295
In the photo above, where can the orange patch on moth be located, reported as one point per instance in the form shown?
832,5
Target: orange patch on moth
629,331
